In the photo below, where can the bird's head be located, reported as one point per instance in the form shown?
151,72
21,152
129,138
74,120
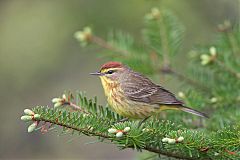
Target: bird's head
110,71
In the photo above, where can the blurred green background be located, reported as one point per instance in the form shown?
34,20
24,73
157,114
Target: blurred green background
39,59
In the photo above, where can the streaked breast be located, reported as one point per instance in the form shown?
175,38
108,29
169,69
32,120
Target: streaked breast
122,105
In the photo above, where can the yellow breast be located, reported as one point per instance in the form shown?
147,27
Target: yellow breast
121,104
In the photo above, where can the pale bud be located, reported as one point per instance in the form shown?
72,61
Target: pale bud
112,130
165,139
213,51
153,15
85,115
87,30
119,134
145,129
155,12
28,112
205,59
26,118
204,62
58,104
83,36
126,129
213,100
32,127
64,96
180,139
216,153
36,116
79,35
181,95
55,100
171,141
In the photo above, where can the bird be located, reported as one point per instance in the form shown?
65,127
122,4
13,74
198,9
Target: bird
134,96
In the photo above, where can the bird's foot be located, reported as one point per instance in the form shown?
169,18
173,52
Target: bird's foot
142,121
121,120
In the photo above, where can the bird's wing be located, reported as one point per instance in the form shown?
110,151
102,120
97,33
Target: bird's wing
143,90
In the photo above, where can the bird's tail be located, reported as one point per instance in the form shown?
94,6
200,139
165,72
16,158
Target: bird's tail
193,111
185,109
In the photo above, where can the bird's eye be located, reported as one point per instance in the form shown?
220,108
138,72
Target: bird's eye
110,72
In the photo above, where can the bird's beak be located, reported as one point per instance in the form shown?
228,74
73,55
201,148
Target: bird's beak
97,74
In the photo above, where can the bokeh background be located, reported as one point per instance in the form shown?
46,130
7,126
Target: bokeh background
39,59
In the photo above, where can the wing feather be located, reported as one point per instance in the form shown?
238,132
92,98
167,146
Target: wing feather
139,88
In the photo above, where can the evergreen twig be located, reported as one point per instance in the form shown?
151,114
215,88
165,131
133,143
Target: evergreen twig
149,137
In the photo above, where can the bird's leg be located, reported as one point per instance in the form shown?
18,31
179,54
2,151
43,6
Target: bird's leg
121,120
141,122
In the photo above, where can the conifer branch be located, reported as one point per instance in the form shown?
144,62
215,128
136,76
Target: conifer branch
157,136
89,132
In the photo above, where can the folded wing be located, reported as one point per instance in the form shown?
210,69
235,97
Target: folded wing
143,90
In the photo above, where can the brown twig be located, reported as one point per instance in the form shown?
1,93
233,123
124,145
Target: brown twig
99,41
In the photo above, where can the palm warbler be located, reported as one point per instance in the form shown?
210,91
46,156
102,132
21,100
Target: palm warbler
133,95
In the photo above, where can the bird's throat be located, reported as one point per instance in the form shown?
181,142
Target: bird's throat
108,85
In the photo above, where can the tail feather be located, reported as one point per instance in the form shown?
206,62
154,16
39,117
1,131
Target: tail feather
192,111
183,108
